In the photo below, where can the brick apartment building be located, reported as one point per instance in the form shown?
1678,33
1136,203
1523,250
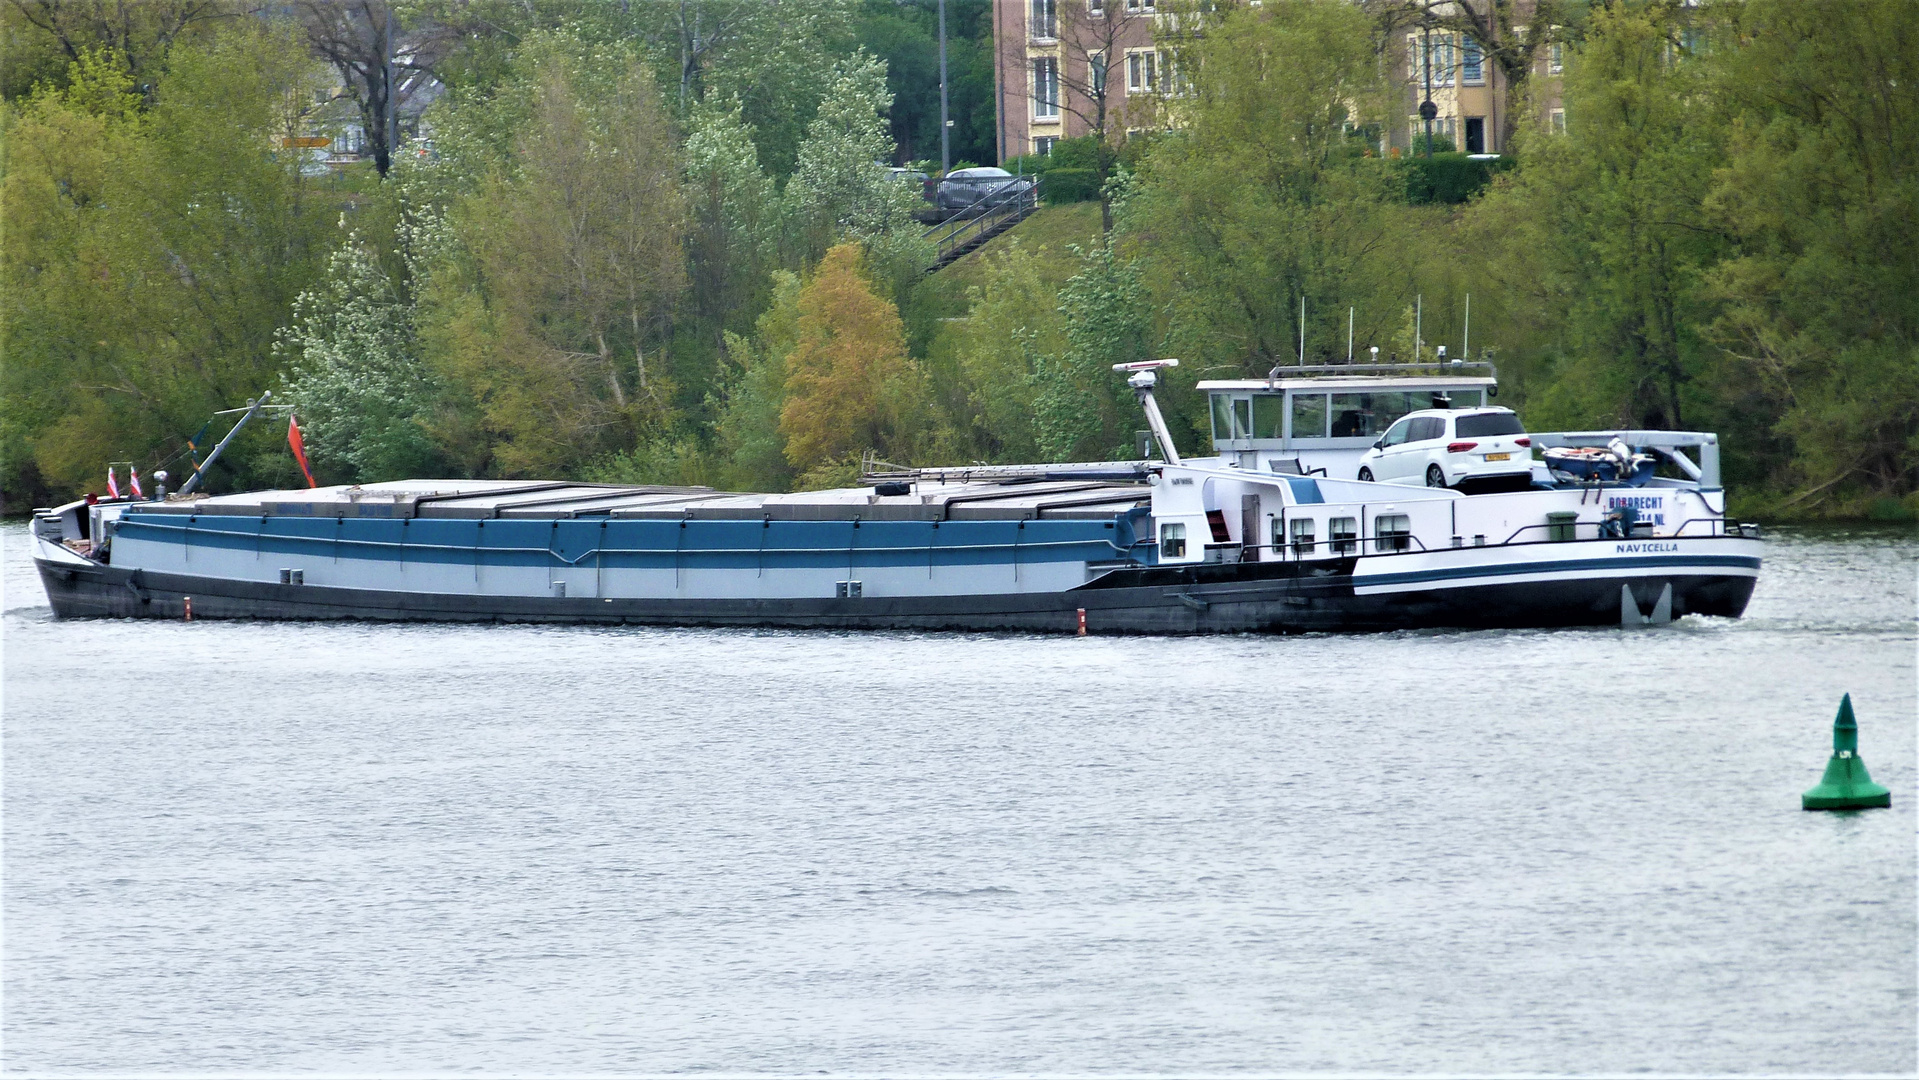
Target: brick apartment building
1064,68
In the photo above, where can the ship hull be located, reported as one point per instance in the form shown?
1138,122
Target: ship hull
1584,584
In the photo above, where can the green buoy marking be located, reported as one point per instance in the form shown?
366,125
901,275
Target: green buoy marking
1846,785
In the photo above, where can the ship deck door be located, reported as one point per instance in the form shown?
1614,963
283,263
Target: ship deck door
1249,528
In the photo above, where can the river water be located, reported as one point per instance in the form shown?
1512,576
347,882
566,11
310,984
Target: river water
290,848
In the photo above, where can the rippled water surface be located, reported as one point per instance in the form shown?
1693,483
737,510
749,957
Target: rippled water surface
374,848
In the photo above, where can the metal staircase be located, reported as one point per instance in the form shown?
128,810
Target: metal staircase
988,216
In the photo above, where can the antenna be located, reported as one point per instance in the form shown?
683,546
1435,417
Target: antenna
1302,329
1466,334
1419,311
1349,333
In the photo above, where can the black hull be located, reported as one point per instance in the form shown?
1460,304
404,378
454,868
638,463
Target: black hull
1226,599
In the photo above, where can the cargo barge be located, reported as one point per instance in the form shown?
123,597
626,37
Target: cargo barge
1273,533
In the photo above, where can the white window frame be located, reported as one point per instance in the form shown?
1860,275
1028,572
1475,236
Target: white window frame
1172,540
1556,121
1043,144
1142,62
1469,47
1096,71
1555,58
1042,20
1045,107
1139,5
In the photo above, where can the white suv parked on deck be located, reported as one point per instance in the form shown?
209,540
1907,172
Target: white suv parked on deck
1468,449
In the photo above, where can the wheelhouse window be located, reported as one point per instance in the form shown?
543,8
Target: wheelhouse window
1309,416
1269,416
1392,532
1303,546
1172,540
1368,415
1342,533
1232,418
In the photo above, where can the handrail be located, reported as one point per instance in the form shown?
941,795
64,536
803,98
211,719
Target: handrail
989,214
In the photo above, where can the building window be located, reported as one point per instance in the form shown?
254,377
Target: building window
1473,67
1139,5
1096,73
1046,88
1096,7
1043,146
1555,58
1172,541
1142,72
1557,118
1343,533
1392,532
1439,62
1045,21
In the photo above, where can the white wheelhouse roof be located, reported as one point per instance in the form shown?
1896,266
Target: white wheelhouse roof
1335,383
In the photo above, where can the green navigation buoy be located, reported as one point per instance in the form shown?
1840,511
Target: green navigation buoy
1846,785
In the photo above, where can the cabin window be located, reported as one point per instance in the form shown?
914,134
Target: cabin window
1232,418
1279,534
1467,399
1303,537
1392,532
1172,540
1269,416
1309,416
1343,533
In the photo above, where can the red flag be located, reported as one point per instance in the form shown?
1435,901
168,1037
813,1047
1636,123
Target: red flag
134,470
113,485
299,447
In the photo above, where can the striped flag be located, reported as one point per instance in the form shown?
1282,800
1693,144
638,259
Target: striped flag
134,471
299,447
113,484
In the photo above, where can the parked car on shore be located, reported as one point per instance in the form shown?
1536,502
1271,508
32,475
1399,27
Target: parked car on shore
982,187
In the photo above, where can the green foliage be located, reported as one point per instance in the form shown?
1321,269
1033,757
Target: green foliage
1448,178
839,185
1077,411
150,254
1069,186
363,395
1259,200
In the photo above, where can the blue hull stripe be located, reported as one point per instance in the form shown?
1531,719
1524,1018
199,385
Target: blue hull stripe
644,544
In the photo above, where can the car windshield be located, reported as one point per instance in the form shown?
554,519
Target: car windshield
1484,424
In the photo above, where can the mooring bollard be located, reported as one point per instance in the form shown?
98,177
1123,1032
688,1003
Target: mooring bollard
189,613
1846,785
1082,622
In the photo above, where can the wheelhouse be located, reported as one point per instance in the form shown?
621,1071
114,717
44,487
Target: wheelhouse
1326,417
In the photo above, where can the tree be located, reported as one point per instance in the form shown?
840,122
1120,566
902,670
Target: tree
379,60
1077,412
150,255
139,33
1093,39
1261,199
1820,185
840,184
734,220
1625,238
849,384
363,396
1013,318
567,264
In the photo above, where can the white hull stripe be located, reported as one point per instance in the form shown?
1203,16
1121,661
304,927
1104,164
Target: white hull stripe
1514,573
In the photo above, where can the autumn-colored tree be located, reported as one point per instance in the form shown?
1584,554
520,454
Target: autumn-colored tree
849,384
